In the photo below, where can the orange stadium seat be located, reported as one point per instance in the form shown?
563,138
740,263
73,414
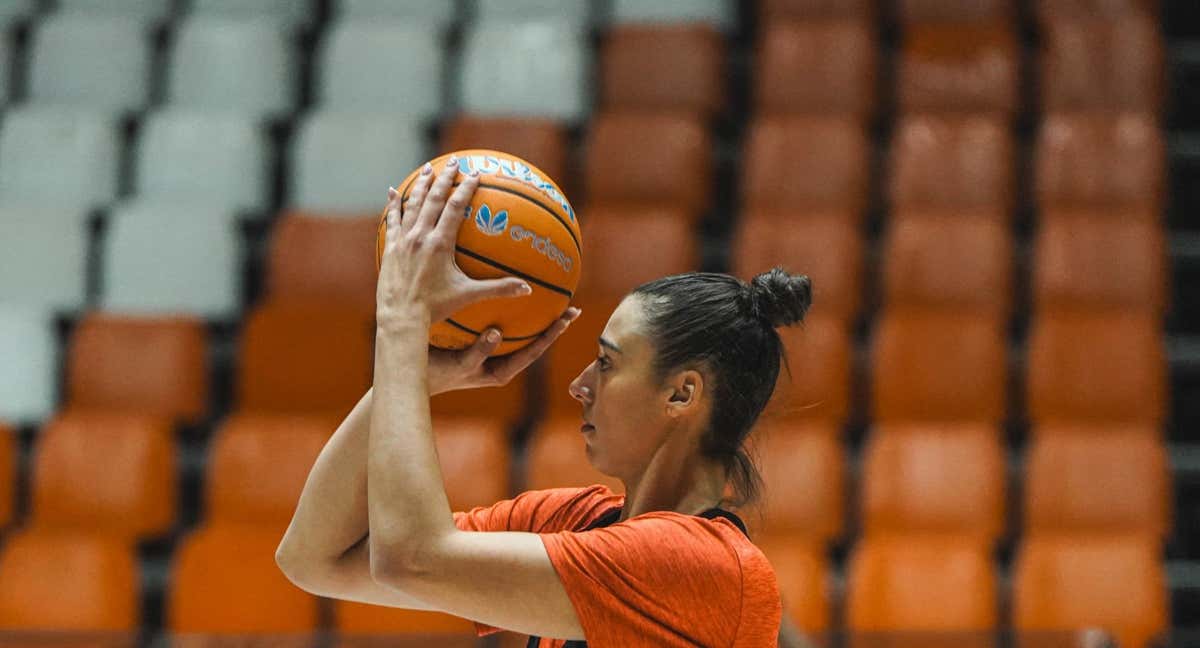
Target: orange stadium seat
505,404
820,354
543,142
958,69
673,68
106,473
1100,161
934,478
1102,64
827,247
801,164
804,476
9,458
1096,367
364,624
315,257
956,11
953,162
949,260
824,67
1048,10
257,466
938,366
678,174
1081,261
1085,479
305,357
1115,583
940,583
476,459
69,582
802,572
163,366
772,11
558,458
224,580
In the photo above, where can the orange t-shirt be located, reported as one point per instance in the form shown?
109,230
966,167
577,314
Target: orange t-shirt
657,579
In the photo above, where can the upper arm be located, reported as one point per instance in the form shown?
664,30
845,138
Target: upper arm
349,578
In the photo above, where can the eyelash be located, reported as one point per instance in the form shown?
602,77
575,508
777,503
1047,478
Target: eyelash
603,363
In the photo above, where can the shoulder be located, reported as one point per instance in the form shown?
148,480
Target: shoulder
542,511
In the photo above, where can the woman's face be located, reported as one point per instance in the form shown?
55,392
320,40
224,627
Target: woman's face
624,408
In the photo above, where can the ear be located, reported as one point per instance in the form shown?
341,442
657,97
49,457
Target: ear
686,388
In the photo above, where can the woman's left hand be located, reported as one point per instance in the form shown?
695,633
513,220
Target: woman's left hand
418,273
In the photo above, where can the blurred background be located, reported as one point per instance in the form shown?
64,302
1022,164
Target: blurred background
990,432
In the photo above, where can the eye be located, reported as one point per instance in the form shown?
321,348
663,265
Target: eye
604,363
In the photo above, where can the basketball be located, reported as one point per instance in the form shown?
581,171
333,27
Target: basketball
519,224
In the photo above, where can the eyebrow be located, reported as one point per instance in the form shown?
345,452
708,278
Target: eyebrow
610,345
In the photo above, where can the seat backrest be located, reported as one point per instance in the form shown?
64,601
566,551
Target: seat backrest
1051,10
672,68
361,619
804,472
959,69
1102,64
778,11
43,149
819,354
89,61
541,142
162,366
69,582
936,365
313,256
106,473
1104,366
823,67
291,14
475,455
29,373
354,55
437,15
952,162
44,256
147,11
943,11
803,575
934,478
721,14
1092,481
626,247
8,473
523,81
558,458
577,13
806,163
1102,161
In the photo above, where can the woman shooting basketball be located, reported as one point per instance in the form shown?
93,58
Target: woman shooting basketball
685,366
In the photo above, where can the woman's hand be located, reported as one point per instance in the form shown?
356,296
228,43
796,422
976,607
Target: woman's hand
418,276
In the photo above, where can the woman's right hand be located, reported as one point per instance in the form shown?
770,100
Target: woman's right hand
471,367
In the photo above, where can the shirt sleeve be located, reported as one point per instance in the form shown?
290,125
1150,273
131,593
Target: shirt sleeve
659,579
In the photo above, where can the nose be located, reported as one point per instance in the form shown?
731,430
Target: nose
580,391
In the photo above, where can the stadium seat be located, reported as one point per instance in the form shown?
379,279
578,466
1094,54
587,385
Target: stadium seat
148,12
953,162
804,476
806,163
670,68
343,163
558,458
1081,261
224,581
802,572
779,11
15,12
1101,161
91,62
958,69
938,365
291,14
437,15
9,469
6,57
1094,479
1116,583
542,142
1100,366
821,67
721,14
1102,64
475,457
575,13
312,256
907,584
506,403
29,373
44,248
819,353
373,66
161,258
232,64
626,247
232,150
949,260
505,71
304,358
956,12
825,246
1050,10
257,465
678,175
164,362
66,582
64,157
101,472
361,624
922,478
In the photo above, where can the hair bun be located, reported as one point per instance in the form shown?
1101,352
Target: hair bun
779,298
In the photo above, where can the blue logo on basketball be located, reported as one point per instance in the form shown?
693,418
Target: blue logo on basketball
489,223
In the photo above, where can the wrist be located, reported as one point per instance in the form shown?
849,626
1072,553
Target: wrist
404,319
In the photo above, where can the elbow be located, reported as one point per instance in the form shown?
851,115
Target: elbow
395,565
297,570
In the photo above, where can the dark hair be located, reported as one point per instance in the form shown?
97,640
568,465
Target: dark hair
717,322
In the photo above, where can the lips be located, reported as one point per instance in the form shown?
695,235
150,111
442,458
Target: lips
587,427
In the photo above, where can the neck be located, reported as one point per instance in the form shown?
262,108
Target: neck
676,479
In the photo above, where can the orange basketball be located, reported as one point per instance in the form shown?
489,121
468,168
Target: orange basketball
519,224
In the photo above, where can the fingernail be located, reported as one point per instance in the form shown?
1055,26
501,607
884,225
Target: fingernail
474,173
427,169
391,192
525,289
493,336
453,161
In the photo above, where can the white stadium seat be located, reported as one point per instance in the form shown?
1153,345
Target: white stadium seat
147,12
12,11
43,256
577,13
536,69
343,163
721,14
373,66
29,346
292,14
217,159
60,157
99,62
164,257
438,15
243,65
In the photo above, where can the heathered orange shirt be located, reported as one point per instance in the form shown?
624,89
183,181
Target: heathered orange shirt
657,579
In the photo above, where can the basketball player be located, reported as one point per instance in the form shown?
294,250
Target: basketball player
684,367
